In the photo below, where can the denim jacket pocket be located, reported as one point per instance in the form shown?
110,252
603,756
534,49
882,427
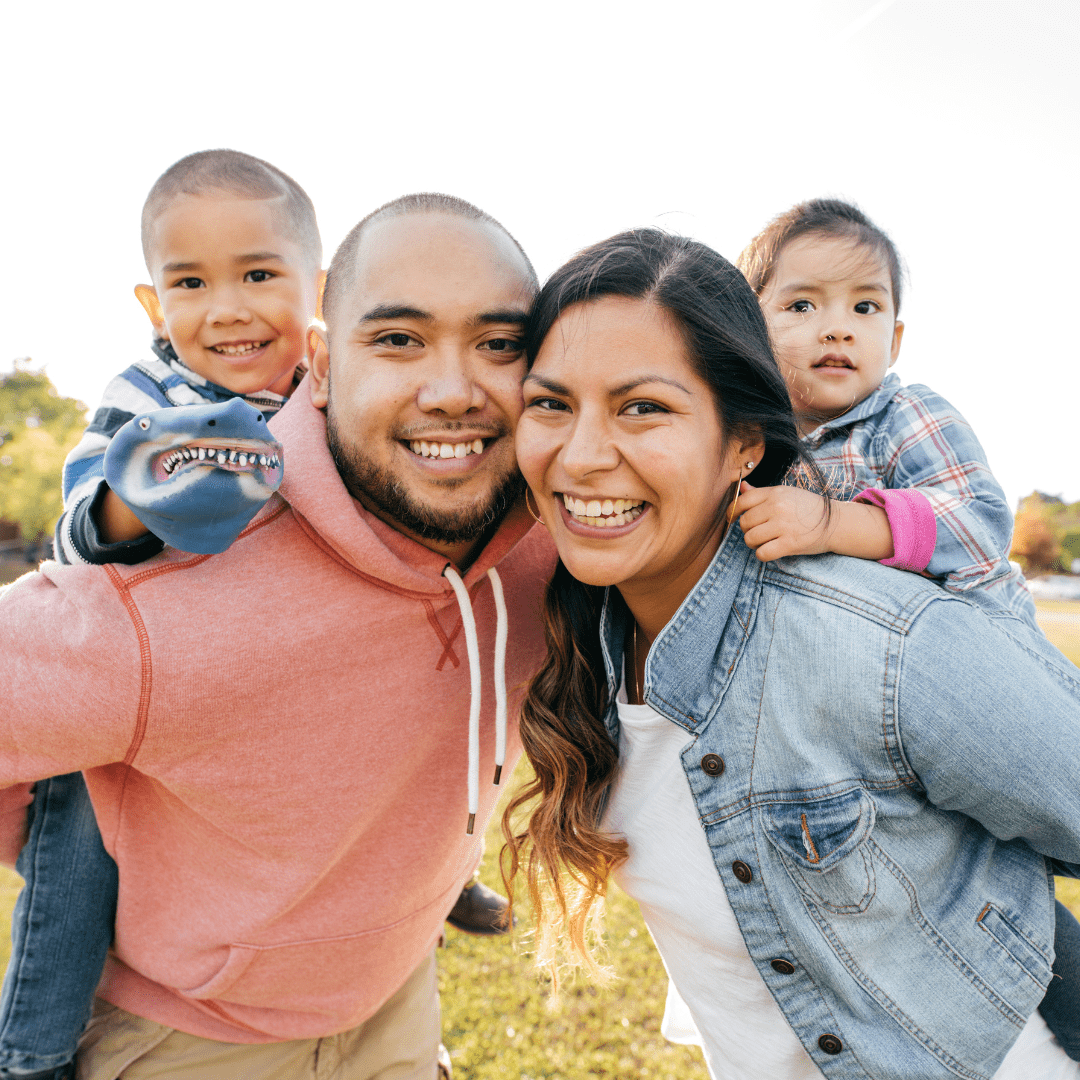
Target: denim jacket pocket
822,845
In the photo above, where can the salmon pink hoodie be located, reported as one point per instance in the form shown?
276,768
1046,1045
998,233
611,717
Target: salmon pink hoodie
275,741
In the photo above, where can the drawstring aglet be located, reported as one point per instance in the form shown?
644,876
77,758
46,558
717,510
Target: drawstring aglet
498,774
472,822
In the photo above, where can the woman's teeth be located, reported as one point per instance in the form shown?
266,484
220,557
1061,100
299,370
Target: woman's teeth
446,449
606,513
240,350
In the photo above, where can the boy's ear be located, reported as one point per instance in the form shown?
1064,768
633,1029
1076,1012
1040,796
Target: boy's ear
898,333
148,297
318,366
320,289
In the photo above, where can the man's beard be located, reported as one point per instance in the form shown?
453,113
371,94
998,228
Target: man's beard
363,477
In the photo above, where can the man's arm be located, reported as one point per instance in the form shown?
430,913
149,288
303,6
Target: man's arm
72,676
989,718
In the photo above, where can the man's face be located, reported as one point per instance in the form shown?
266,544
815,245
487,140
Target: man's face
420,374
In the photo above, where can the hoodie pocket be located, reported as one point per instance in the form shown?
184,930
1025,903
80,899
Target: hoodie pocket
822,845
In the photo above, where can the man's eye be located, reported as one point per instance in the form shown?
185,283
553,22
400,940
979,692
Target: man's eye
255,276
190,283
503,345
800,307
397,340
867,307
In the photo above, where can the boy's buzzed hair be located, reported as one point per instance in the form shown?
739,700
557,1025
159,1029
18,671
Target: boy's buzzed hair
342,267
239,174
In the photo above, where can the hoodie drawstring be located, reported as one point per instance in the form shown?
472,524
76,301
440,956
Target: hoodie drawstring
472,649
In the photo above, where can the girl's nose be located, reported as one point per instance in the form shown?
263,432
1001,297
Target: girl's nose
836,328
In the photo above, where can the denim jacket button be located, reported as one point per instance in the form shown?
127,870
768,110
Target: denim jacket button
742,872
713,764
784,967
830,1044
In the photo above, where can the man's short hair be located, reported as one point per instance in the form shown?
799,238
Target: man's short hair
342,270
234,173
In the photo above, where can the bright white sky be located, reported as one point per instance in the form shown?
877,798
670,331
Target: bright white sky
951,122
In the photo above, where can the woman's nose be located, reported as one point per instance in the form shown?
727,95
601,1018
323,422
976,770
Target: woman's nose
589,448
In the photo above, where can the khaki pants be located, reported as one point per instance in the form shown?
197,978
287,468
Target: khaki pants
400,1042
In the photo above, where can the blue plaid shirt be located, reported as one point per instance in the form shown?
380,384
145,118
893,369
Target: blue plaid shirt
910,437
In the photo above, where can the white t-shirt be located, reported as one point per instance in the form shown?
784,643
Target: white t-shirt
671,874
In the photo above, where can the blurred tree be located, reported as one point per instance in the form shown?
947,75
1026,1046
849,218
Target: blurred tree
37,429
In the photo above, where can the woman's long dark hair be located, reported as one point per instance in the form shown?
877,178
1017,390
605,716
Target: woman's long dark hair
561,849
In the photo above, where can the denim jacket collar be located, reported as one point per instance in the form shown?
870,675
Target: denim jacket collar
693,645
865,409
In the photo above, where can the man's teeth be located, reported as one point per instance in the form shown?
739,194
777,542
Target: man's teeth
607,513
239,350
218,456
445,449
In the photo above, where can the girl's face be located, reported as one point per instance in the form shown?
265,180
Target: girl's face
833,325
623,448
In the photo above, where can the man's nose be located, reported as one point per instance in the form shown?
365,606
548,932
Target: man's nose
451,387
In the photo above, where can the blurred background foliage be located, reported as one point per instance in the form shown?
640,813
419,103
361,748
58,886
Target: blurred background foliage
1046,536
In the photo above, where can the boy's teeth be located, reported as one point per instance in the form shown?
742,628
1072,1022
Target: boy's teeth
239,350
606,513
446,450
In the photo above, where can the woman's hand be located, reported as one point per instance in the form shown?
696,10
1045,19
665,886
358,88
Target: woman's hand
779,521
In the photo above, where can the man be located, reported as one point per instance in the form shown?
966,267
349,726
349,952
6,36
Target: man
277,739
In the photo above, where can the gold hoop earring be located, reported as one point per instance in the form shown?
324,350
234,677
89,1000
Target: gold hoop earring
735,501
528,492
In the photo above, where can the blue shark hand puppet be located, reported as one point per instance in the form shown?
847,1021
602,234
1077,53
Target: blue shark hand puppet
195,475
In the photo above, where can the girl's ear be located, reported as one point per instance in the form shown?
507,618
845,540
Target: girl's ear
897,335
148,297
318,366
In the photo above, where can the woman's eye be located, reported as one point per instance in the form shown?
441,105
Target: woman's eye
504,346
867,307
643,408
800,307
190,283
397,340
256,276
547,404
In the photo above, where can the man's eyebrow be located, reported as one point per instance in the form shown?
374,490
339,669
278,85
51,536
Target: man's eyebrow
509,315
381,312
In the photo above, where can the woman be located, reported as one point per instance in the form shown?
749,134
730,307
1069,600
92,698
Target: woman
834,788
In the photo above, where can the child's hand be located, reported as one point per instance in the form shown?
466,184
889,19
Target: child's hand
779,521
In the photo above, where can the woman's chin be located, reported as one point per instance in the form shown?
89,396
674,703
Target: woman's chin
600,572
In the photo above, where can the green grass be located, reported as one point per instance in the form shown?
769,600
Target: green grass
1066,637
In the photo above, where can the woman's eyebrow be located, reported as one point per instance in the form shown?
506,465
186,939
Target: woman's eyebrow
628,387
547,384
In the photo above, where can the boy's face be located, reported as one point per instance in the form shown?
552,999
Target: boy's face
234,292
833,325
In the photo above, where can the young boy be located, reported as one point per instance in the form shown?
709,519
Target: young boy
234,254
924,497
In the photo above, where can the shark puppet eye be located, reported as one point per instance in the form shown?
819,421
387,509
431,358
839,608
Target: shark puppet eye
144,423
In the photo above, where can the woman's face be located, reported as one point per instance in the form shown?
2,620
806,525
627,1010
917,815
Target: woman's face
623,448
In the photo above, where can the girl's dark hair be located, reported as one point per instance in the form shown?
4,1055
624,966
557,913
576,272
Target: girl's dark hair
826,217
561,849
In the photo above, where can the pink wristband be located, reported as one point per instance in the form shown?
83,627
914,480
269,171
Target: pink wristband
914,527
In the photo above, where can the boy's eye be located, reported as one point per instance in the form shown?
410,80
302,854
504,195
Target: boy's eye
255,276
397,340
801,307
190,283
867,307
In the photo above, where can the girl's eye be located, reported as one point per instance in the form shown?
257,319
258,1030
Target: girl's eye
643,408
256,276
397,340
190,283
867,307
800,307
504,346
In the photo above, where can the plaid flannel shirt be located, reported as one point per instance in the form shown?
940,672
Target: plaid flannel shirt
910,437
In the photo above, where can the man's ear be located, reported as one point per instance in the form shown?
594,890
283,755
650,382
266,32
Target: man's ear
319,290
898,333
148,297
318,351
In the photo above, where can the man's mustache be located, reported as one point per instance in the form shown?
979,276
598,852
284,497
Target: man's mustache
483,430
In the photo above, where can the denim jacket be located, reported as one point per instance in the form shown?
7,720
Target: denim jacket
887,775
